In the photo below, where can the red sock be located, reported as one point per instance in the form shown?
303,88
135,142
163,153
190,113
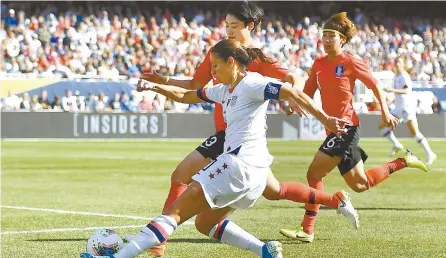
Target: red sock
311,210
298,192
379,174
176,189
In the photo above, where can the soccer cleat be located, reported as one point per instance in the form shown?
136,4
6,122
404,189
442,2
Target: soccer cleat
430,158
396,150
159,250
88,255
413,161
346,208
299,235
272,249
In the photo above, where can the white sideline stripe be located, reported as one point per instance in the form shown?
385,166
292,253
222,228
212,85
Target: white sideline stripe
65,230
83,213
192,140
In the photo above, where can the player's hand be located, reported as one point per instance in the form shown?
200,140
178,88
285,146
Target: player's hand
387,89
144,85
154,77
336,125
390,121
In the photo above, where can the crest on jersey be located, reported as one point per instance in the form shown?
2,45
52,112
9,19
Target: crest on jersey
272,89
232,101
339,70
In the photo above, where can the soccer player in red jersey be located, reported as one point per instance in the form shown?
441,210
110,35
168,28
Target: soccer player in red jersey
334,75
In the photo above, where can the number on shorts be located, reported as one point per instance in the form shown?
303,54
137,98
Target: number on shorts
330,143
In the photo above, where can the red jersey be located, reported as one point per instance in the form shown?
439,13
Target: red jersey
203,75
336,82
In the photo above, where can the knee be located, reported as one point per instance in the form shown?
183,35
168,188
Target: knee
272,195
312,175
202,225
359,188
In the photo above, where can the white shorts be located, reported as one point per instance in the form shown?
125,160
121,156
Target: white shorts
228,181
405,115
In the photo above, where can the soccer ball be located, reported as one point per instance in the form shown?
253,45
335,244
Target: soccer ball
104,242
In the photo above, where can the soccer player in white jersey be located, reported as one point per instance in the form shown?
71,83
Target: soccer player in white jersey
405,109
237,178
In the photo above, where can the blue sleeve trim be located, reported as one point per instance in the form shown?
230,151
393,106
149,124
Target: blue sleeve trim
272,90
200,95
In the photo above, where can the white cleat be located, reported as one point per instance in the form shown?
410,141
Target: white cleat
347,209
430,158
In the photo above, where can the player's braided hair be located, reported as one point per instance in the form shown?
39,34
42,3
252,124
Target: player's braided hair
341,23
229,47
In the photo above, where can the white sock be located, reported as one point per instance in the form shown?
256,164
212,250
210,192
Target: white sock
156,232
423,142
229,233
387,132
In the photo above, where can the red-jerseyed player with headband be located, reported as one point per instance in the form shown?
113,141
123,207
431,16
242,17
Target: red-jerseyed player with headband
334,75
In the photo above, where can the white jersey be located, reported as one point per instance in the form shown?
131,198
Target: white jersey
403,101
244,111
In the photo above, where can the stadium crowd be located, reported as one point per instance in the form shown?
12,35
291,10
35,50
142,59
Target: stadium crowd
119,41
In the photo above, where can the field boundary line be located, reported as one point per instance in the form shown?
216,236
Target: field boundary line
65,230
82,213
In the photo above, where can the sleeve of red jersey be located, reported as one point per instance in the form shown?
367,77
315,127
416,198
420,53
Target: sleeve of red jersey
311,83
274,70
363,73
203,72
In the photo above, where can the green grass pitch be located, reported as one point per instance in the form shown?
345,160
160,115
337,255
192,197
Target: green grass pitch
405,216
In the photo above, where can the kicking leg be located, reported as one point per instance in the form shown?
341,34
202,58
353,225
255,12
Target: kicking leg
214,224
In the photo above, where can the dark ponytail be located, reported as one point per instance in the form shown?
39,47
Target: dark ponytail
255,53
228,47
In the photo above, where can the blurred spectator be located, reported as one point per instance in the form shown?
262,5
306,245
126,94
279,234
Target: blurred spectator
156,104
12,102
134,104
125,102
11,20
90,103
100,103
145,104
57,104
436,107
169,105
69,101
35,105
115,103
43,100
80,101
26,104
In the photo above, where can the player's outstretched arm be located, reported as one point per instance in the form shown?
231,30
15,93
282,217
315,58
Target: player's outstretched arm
172,92
333,124
190,84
